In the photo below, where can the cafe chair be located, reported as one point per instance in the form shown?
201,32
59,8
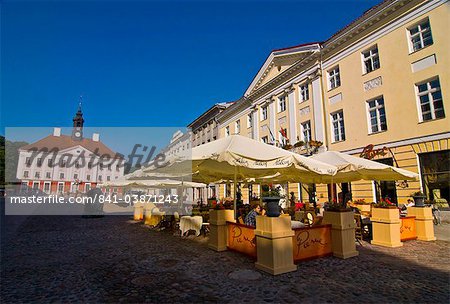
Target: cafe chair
241,220
358,228
176,223
309,218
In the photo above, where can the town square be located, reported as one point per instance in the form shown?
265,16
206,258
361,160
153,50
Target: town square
175,152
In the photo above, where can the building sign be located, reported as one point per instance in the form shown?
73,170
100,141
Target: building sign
369,152
373,83
312,242
241,238
304,111
408,228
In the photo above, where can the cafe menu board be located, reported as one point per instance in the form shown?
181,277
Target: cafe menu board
241,238
408,228
313,242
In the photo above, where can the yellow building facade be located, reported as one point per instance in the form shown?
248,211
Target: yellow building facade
381,84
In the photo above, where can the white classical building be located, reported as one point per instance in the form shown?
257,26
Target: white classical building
68,163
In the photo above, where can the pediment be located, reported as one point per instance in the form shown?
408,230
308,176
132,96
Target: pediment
278,62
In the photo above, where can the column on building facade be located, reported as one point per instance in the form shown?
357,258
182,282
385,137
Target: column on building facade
319,123
292,116
255,123
272,119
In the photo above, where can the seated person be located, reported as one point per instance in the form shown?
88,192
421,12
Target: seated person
250,219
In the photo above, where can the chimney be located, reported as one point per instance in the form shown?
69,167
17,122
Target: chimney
95,137
57,132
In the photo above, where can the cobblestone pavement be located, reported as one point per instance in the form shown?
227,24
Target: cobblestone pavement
113,259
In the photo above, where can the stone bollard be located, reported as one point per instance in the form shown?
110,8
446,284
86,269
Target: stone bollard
342,233
424,222
218,228
138,213
386,227
274,245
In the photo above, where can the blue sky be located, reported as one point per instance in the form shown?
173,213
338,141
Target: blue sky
145,63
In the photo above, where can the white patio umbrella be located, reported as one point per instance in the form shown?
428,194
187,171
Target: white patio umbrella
239,158
351,168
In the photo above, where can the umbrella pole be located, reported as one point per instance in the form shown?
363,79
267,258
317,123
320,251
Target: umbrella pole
235,192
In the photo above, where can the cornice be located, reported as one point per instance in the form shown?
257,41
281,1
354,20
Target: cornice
238,106
285,76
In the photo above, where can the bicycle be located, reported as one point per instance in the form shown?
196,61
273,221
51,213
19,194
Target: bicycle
436,214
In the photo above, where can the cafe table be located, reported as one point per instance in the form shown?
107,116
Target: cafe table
191,223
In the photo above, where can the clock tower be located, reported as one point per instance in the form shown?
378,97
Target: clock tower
77,131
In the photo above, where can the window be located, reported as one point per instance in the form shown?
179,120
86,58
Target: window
88,177
304,92
337,122
25,173
306,131
47,187
28,161
334,78
430,100
101,166
264,113
77,165
99,178
377,115
282,103
420,36
435,171
265,139
227,131
118,167
37,174
75,176
50,162
61,175
238,126
60,187
63,163
89,165
371,60
39,162
108,178
48,175
249,120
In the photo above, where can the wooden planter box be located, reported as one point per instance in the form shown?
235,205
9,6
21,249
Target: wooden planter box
341,220
386,227
342,233
363,207
220,217
218,228
386,215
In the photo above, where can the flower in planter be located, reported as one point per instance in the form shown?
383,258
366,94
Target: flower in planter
335,207
385,203
360,201
417,193
270,190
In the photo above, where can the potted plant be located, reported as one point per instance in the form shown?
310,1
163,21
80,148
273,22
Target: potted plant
271,196
362,205
298,144
212,201
419,198
385,210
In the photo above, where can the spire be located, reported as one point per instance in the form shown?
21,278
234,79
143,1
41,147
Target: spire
80,104
78,121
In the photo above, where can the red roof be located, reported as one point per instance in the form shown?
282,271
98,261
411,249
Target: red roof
64,142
